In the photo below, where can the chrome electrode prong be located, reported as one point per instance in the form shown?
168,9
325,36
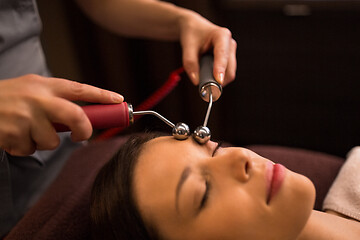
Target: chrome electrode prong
155,114
209,108
202,134
180,131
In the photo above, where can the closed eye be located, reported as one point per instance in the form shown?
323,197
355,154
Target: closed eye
206,195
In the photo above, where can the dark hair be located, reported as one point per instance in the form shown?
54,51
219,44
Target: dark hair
113,211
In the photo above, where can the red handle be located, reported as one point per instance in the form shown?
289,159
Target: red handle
103,116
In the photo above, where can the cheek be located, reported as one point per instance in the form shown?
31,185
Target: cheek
240,215
235,217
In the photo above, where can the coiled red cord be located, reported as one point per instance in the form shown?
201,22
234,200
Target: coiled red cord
149,103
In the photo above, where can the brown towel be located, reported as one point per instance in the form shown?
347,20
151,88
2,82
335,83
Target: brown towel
344,195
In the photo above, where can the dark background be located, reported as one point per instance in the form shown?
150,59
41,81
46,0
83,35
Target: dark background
298,77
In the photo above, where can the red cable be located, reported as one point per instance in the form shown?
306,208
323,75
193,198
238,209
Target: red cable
149,103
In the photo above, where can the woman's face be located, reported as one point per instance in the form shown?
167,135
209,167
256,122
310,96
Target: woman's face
189,191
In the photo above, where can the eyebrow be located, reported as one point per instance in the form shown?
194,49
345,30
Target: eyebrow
184,175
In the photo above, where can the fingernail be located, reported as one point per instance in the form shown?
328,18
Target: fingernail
194,77
117,98
221,78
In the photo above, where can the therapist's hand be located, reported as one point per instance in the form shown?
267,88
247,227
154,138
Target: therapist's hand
197,36
166,21
30,104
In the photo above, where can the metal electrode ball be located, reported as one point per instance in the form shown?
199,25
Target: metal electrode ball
181,131
202,134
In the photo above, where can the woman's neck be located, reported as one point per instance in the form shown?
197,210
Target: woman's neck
325,226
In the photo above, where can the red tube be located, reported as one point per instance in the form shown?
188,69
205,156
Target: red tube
104,116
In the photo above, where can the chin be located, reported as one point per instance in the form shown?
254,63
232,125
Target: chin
305,190
299,204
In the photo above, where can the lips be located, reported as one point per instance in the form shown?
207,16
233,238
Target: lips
274,178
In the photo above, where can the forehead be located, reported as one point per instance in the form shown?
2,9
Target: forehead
164,158
167,151
158,171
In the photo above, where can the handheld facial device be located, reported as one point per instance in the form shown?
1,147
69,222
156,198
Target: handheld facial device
180,131
210,91
122,115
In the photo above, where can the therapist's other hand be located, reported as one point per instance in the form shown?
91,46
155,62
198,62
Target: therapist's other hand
197,36
30,104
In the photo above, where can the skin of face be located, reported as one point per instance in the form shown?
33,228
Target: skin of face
222,195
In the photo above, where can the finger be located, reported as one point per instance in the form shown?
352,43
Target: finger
191,61
17,143
221,43
75,91
15,131
44,134
24,150
232,64
71,115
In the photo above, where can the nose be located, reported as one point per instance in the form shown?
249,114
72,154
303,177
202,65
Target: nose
232,162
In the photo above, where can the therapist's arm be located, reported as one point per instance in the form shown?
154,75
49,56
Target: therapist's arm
165,21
